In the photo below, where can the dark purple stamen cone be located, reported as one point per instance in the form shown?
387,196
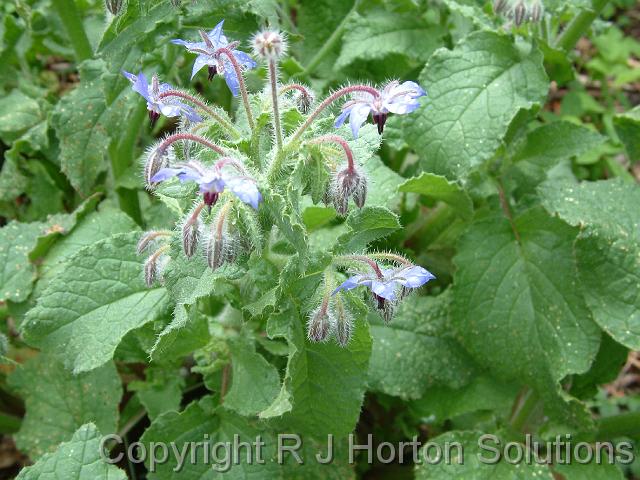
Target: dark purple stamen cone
380,119
380,300
153,117
210,199
213,70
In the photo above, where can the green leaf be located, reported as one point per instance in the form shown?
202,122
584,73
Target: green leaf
516,305
470,465
482,393
380,33
201,422
474,92
77,459
324,384
187,332
161,391
250,373
607,250
85,312
366,225
58,402
415,351
80,121
18,113
439,188
16,272
627,126
589,471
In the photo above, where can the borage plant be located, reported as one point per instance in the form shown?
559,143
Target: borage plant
270,165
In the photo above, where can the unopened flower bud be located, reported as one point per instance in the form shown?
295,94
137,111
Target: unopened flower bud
360,194
536,11
156,159
348,182
519,13
304,101
319,324
344,324
219,247
190,237
114,6
150,270
269,45
500,6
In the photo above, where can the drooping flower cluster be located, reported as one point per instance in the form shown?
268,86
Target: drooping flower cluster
234,177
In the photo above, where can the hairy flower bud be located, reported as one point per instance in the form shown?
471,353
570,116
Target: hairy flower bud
147,238
156,159
344,323
304,101
219,247
519,13
150,270
114,6
500,6
190,237
536,11
319,324
348,182
269,44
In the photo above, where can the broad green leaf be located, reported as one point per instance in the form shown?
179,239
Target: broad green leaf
474,92
18,113
80,123
482,393
288,222
416,351
23,243
202,422
607,250
324,384
250,373
474,461
439,188
517,307
366,225
16,272
628,128
85,312
548,145
59,402
187,332
590,471
380,33
161,391
382,185
77,459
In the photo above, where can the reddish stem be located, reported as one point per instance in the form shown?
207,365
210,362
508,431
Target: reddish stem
194,138
343,143
243,89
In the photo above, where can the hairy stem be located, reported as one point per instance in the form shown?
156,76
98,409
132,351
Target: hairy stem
294,86
392,257
194,138
205,108
343,143
579,25
243,88
273,80
363,259
66,10
328,101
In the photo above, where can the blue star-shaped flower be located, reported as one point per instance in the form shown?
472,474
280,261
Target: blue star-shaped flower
396,97
393,280
169,107
206,50
212,181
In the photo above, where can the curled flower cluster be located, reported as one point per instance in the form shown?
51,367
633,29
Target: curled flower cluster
234,177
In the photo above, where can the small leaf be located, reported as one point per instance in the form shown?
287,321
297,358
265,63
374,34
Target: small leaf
366,225
627,126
